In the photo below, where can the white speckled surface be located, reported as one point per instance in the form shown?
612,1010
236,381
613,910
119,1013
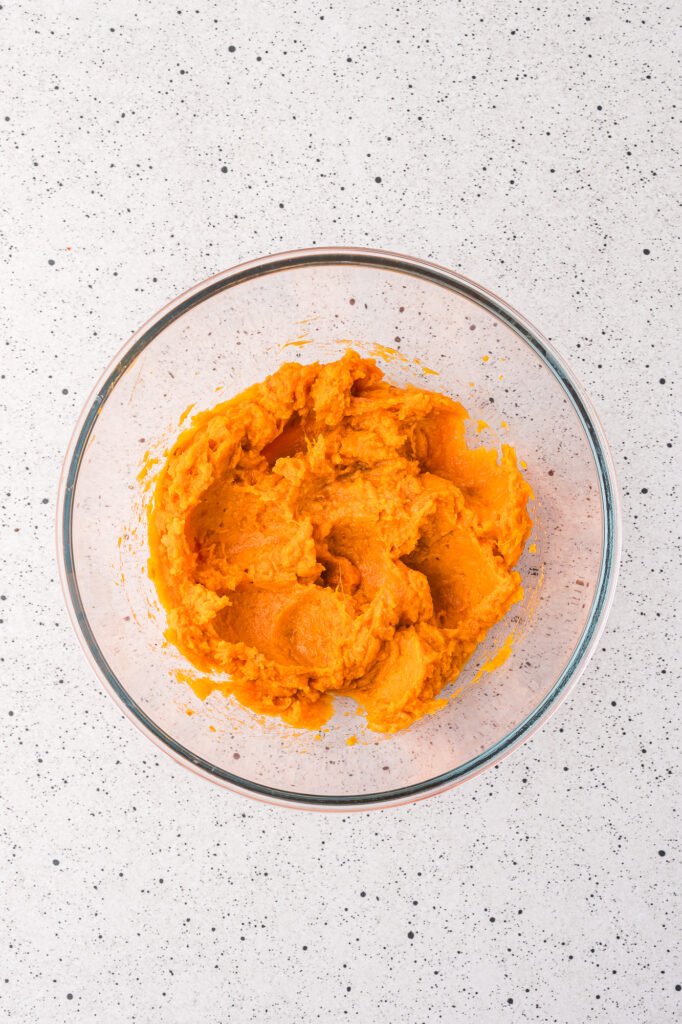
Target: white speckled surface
147,145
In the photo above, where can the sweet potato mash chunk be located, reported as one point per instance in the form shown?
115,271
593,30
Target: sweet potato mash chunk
326,532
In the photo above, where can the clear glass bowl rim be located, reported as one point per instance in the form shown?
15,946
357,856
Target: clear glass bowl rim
435,274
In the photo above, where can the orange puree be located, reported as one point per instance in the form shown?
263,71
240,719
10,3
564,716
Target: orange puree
325,533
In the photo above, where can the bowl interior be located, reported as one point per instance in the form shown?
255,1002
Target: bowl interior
231,333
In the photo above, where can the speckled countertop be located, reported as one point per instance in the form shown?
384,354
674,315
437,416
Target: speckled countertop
147,145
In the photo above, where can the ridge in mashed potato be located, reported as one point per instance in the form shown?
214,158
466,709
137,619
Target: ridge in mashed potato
326,532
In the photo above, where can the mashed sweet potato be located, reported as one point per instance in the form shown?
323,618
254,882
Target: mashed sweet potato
327,533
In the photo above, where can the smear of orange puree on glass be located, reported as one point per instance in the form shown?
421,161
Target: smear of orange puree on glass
328,533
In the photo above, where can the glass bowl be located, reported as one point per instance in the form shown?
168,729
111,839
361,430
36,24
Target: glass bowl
424,325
